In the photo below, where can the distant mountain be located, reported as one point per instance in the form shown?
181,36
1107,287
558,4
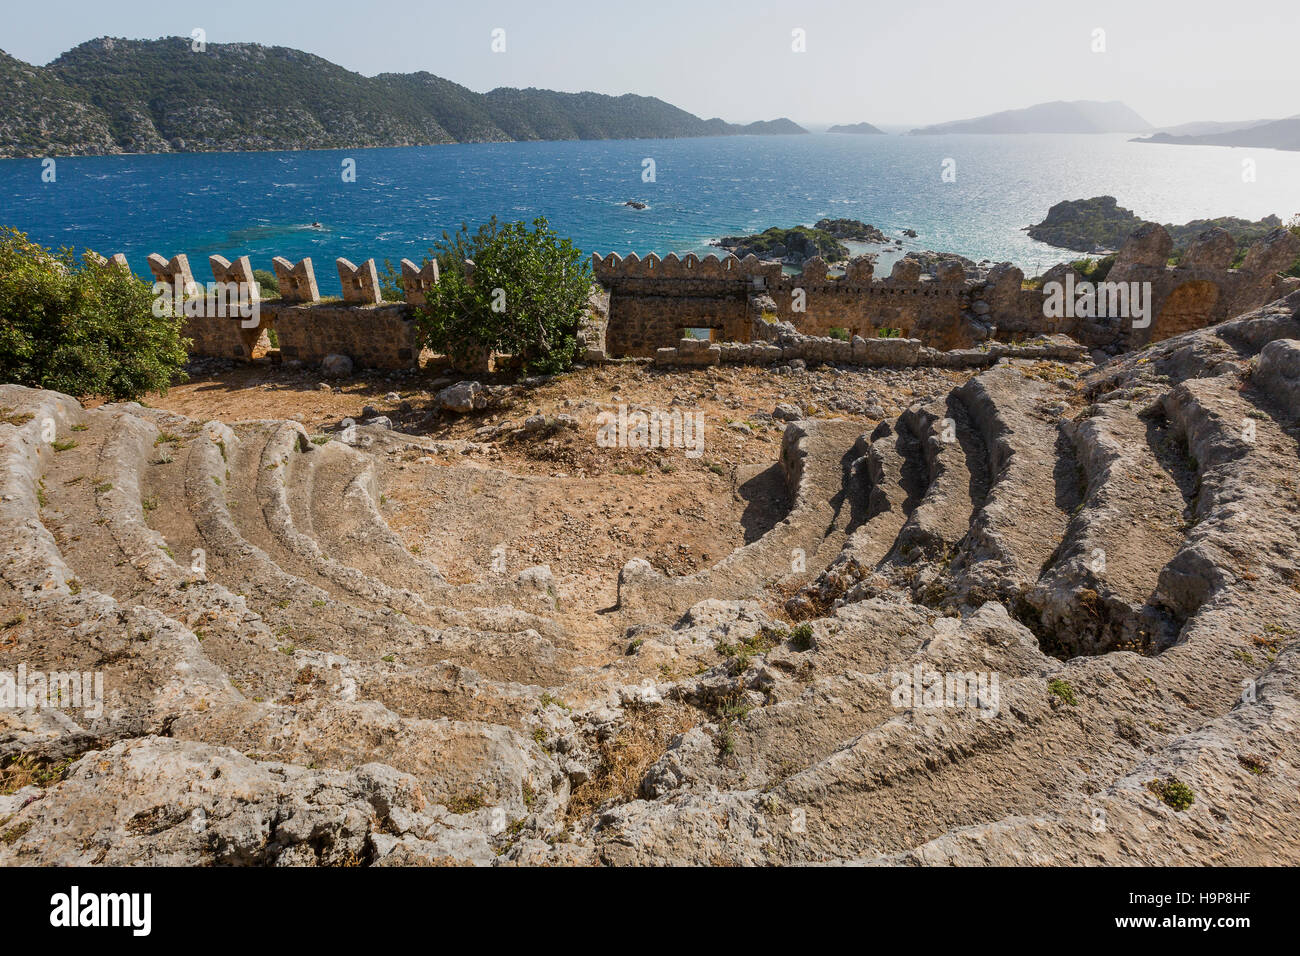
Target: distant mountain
1080,116
1269,134
1209,127
860,128
40,114
157,96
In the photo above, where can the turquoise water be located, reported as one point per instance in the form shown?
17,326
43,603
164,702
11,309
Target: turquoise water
263,204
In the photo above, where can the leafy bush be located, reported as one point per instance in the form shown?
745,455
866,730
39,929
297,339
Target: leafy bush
839,333
84,328
390,282
267,283
1093,270
525,296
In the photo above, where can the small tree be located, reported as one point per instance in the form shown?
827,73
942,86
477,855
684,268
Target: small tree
84,328
525,294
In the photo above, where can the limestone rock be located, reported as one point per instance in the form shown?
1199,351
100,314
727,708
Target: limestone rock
461,397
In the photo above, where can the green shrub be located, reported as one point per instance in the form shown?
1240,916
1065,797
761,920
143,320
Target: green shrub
267,283
801,636
83,328
1172,792
390,283
1093,270
839,333
1063,690
526,297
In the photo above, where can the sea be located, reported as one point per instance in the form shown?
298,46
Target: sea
968,194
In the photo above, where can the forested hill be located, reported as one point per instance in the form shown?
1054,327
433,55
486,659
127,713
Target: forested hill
156,96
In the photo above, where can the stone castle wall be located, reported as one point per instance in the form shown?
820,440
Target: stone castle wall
657,299
640,306
376,336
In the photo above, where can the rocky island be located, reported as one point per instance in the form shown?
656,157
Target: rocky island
1100,225
1079,116
853,230
859,129
792,245
1266,134
799,243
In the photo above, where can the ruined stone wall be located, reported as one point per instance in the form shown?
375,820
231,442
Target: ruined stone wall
374,334
377,336
652,300
875,352
643,323
1201,290
224,338
925,310
640,306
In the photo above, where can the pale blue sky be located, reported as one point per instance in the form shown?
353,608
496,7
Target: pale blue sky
902,62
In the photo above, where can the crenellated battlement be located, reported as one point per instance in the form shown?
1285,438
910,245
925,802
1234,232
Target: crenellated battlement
859,273
360,283
418,282
239,272
174,271
652,303
615,268
297,280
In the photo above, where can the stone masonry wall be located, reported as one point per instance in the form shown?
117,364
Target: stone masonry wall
651,300
641,306
377,336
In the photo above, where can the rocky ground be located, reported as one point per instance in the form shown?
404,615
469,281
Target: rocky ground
1044,613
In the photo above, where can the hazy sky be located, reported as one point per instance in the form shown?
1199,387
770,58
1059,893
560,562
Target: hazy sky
902,62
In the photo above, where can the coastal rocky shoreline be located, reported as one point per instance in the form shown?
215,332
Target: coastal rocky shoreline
1099,226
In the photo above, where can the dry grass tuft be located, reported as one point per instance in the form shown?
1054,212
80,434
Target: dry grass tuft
647,730
24,770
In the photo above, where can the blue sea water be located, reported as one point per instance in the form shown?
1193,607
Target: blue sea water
263,204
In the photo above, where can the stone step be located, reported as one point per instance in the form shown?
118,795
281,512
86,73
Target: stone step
1033,482
953,473
1237,576
302,612
816,456
335,500
151,666
1097,594
886,474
